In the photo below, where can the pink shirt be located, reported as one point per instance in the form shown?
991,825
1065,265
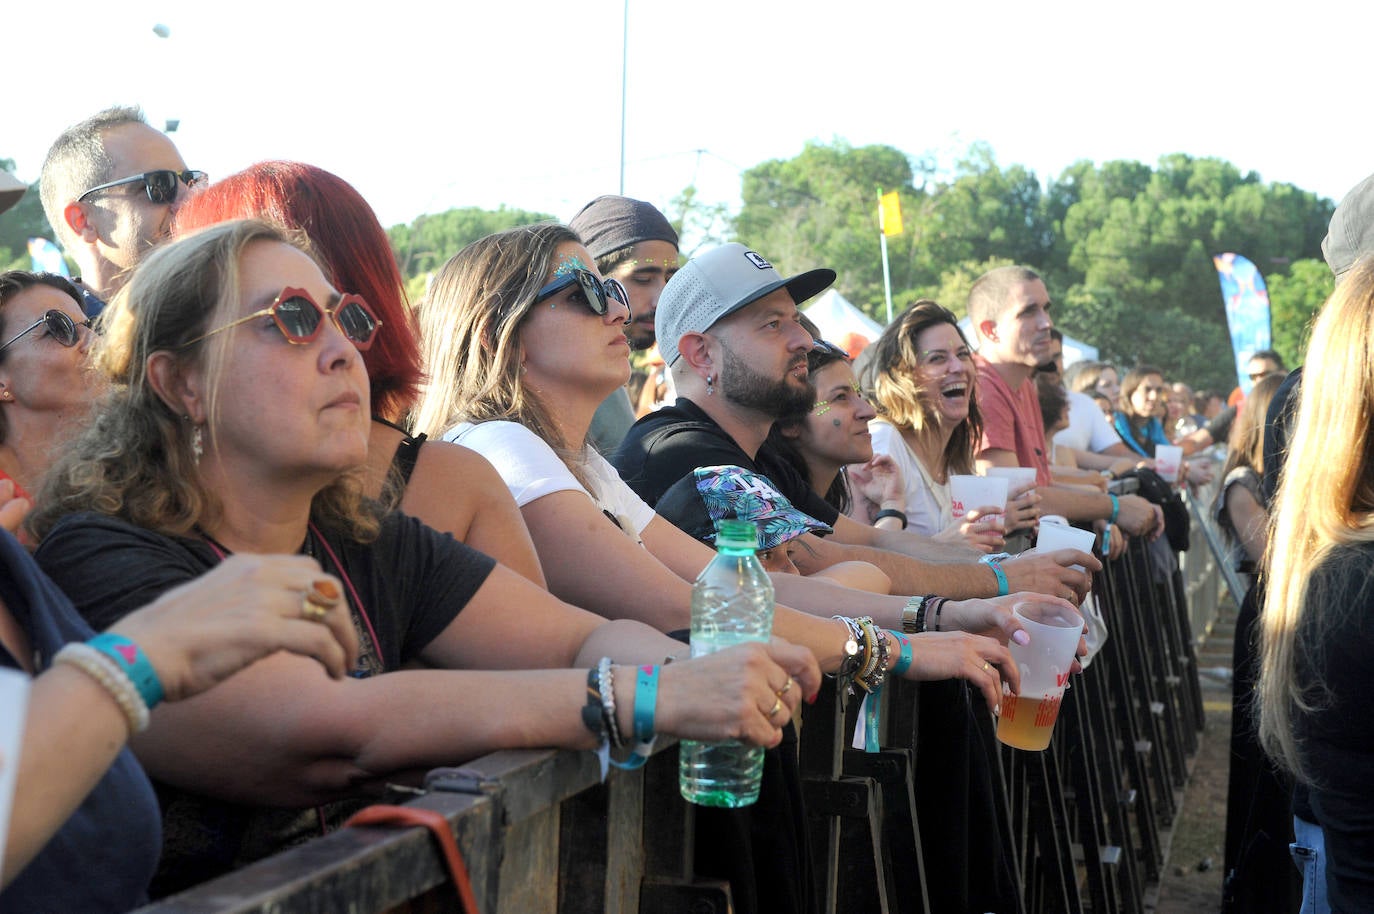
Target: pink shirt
1012,420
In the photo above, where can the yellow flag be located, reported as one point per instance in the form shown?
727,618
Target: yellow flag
890,213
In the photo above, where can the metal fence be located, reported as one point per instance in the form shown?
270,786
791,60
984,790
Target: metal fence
1077,828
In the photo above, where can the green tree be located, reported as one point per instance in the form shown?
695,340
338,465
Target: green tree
425,244
1294,300
21,222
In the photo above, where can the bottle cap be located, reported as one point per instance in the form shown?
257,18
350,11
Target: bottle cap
737,534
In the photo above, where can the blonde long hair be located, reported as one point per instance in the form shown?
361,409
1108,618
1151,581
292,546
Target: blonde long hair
1325,501
469,329
134,461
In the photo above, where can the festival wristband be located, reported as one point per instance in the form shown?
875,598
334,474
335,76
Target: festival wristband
646,697
1116,508
995,563
133,663
904,659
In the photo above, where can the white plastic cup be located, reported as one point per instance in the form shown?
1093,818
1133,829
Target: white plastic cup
1027,718
1061,536
969,493
1168,459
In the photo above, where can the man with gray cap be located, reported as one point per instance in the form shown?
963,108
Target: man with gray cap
729,331
634,243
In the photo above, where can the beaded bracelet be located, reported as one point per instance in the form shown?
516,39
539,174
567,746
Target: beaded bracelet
106,672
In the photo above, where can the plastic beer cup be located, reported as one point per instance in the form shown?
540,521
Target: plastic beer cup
1027,719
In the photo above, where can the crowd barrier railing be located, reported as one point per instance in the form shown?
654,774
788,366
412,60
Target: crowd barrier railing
1080,827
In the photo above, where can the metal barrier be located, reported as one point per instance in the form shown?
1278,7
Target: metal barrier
1079,827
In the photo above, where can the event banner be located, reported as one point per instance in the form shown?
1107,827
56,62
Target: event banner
1247,309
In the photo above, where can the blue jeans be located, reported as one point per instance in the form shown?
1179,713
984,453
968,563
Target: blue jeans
1309,853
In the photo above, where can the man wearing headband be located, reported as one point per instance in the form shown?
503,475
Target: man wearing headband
730,332
632,242
110,186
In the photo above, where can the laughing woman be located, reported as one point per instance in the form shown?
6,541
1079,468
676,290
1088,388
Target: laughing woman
237,419
923,380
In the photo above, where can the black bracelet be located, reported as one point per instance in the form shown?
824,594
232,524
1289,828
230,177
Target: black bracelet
891,512
939,608
592,718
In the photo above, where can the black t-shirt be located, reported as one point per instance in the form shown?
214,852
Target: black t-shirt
1336,741
411,583
668,444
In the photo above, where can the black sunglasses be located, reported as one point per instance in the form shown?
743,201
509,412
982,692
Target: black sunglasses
596,292
824,348
162,186
60,327
300,319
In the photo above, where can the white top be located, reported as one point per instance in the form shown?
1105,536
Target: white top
532,470
929,507
1088,429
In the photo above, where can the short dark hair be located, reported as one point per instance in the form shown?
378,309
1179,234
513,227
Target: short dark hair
1270,356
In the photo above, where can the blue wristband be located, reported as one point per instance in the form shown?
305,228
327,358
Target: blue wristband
133,663
1116,508
904,658
646,698
995,563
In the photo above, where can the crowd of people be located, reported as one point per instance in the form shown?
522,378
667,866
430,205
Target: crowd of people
233,452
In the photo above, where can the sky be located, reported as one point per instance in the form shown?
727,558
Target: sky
427,106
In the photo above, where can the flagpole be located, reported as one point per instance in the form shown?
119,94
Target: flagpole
882,243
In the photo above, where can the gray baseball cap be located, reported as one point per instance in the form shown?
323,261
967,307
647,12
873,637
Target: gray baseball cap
1351,233
719,283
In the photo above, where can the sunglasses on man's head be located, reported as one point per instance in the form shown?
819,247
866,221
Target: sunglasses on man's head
60,327
300,319
162,186
597,293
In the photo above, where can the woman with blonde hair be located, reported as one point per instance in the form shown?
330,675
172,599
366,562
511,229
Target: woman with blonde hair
1317,629
238,422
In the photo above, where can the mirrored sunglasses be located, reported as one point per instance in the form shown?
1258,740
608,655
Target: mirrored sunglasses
162,186
59,325
300,319
824,348
597,293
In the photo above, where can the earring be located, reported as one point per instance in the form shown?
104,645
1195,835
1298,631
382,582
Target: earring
710,385
197,445
6,395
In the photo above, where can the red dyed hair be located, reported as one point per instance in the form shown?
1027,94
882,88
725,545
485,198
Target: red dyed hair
345,234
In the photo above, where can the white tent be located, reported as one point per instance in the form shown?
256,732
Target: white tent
836,316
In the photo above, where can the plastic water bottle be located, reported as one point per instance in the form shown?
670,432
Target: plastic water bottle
732,603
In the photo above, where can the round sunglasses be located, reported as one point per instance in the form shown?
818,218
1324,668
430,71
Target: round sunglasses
300,319
60,327
161,186
598,293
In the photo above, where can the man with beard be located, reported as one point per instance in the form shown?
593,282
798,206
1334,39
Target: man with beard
1010,311
634,243
729,331
110,186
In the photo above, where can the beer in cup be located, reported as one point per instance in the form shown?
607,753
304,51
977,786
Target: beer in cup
1027,719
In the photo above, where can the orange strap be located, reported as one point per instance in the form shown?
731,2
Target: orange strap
410,817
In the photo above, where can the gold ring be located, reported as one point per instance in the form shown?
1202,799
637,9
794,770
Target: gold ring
777,706
986,666
312,611
785,689
323,592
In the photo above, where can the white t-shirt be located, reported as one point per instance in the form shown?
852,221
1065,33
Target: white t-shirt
532,470
1088,429
929,508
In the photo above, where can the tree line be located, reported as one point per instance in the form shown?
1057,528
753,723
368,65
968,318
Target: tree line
1125,248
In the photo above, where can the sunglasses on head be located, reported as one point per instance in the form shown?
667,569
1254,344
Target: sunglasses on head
824,348
162,186
300,319
60,327
597,293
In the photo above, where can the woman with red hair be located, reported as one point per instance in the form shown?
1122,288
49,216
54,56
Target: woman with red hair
450,487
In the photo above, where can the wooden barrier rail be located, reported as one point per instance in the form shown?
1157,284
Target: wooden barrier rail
1079,827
